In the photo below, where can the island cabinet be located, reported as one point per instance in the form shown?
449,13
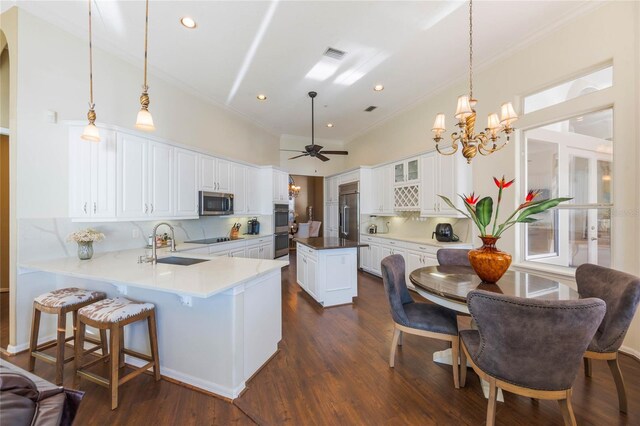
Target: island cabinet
327,269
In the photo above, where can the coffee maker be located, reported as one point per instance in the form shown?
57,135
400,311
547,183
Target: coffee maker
253,226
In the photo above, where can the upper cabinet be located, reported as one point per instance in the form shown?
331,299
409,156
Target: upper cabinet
160,180
186,178
447,176
376,190
239,190
280,186
215,174
133,176
331,189
406,171
92,175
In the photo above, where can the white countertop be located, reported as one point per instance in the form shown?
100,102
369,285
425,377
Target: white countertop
201,280
418,240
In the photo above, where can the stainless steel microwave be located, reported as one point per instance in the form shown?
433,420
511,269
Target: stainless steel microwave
215,203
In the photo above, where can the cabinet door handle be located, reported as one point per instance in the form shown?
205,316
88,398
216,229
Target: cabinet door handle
95,208
85,208
146,208
151,207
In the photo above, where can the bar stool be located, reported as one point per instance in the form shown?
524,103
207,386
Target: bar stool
60,302
113,315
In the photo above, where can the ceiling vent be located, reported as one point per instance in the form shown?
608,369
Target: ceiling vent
334,53
371,108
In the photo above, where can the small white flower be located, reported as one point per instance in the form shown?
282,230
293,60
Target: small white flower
85,236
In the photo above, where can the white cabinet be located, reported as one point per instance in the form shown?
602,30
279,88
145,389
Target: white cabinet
371,256
133,176
331,216
280,186
331,189
406,171
186,166
260,248
160,180
239,188
215,174
443,175
252,190
383,182
92,175
238,252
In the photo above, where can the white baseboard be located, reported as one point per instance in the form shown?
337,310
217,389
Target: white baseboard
24,346
632,352
212,387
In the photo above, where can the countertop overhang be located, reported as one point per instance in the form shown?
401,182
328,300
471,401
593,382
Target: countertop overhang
329,243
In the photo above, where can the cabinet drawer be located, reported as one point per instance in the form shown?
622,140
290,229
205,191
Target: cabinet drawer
393,243
423,248
370,240
258,241
306,251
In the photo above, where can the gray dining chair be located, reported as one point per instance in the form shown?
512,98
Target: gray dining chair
528,347
621,293
453,257
422,319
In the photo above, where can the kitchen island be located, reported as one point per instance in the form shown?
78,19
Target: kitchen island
218,321
328,269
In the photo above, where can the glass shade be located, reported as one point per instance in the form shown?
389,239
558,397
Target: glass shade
144,120
493,123
438,125
507,114
90,133
464,107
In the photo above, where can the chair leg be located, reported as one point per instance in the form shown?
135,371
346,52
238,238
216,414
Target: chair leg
567,410
463,365
491,406
455,353
33,345
104,344
614,366
400,338
60,341
394,343
587,367
153,339
121,354
79,344
114,334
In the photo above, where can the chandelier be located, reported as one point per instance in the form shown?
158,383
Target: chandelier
485,142
294,190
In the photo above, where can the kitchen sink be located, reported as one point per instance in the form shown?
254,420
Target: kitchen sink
184,261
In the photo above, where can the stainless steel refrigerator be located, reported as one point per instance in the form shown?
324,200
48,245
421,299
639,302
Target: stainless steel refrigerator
349,211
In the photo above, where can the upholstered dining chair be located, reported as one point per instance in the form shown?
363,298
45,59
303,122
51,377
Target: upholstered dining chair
621,293
422,319
528,347
453,257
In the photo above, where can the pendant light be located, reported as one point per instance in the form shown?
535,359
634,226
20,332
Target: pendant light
144,120
91,132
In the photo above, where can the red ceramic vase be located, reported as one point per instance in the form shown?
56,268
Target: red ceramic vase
489,263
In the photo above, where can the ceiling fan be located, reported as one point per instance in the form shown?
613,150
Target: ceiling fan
314,150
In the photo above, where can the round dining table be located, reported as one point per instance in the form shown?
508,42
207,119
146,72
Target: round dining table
449,286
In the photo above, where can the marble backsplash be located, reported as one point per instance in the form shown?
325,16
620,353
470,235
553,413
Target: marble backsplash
41,239
410,224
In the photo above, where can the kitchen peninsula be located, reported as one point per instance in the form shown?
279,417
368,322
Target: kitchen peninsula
327,269
218,320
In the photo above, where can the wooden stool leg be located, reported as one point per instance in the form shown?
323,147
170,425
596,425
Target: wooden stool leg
33,345
79,344
491,407
455,353
115,353
394,343
153,339
587,367
61,335
105,346
614,366
121,354
567,410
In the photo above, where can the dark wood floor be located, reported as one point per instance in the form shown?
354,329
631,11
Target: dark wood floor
332,369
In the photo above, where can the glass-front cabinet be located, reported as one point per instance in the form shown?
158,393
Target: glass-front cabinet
406,171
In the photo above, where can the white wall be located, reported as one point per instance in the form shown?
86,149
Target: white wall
607,34
306,166
53,75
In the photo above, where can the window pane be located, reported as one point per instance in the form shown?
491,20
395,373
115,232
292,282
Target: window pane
571,89
542,237
590,237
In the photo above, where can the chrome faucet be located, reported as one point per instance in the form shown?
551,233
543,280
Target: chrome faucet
154,255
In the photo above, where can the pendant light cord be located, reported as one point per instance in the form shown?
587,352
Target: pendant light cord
146,31
470,49
312,123
91,105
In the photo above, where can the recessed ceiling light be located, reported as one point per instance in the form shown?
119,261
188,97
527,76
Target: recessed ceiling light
262,97
188,22
329,124
378,87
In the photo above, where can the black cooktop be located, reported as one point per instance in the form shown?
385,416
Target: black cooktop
212,240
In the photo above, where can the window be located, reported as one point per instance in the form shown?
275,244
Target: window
572,158
588,83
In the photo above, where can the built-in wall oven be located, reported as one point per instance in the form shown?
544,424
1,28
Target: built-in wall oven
280,230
